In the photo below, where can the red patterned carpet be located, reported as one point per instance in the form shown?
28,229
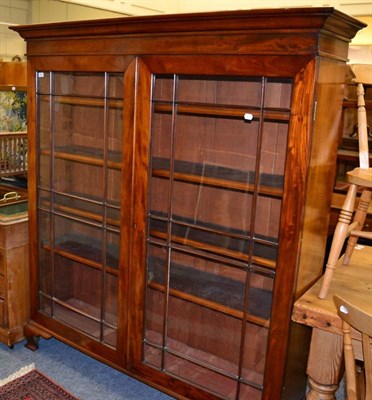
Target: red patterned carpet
33,386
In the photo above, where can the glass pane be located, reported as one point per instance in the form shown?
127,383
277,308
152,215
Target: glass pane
273,154
254,353
267,218
79,84
112,250
156,279
161,150
249,392
164,87
210,207
113,218
72,118
153,356
45,272
115,131
193,338
110,318
113,181
79,286
116,84
70,177
45,305
44,199
109,336
218,152
278,93
44,178
79,292
43,82
111,300
159,198
78,238
260,294
44,122
205,279
74,319
202,140
44,228
78,207
208,379
80,144
235,91
154,317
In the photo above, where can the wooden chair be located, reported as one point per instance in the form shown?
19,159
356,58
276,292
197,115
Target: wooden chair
354,317
358,178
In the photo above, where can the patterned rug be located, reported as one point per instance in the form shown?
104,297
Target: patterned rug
33,385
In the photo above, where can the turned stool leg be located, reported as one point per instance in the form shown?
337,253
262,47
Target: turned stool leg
340,234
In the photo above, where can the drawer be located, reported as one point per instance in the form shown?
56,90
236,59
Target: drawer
2,286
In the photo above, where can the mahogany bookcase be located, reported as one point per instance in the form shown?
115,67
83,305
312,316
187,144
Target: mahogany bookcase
181,173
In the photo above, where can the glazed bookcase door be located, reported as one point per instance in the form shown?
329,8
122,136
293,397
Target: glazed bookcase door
217,154
79,135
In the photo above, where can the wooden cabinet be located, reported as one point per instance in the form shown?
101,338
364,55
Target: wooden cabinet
14,274
13,75
180,182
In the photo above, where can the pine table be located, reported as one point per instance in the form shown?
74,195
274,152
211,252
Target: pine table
353,282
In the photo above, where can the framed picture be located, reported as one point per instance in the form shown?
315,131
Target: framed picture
13,111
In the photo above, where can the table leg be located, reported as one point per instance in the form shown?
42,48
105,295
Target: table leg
324,365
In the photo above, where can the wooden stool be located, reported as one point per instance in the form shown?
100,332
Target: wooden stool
359,177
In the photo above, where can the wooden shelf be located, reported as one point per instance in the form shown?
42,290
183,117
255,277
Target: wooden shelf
217,250
83,101
84,250
82,206
200,357
72,310
85,214
84,155
210,238
221,111
218,176
193,285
